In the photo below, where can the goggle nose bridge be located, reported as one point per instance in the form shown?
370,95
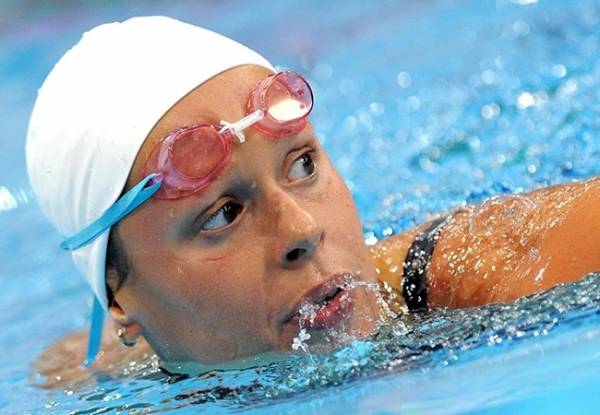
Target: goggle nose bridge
237,128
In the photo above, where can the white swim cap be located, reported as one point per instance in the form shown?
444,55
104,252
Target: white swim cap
97,106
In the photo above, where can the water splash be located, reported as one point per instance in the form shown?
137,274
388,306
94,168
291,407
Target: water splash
339,335
418,341
298,343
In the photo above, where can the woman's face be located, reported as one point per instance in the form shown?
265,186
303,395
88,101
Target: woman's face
216,275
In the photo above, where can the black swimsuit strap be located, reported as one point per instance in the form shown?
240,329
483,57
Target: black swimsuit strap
416,264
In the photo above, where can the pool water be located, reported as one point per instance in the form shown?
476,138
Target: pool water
423,106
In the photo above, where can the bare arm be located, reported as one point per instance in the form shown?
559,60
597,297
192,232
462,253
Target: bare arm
507,247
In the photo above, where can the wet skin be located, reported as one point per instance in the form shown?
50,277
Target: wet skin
211,296
507,247
215,295
210,283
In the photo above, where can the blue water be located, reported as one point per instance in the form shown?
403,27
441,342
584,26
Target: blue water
422,105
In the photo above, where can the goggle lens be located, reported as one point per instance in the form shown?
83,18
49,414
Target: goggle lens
189,159
288,98
196,153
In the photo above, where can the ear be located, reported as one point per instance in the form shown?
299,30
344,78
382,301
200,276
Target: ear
124,326
116,311
118,314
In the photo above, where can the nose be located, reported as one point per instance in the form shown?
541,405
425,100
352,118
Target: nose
298,233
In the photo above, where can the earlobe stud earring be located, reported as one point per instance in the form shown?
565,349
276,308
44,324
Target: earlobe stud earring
121,333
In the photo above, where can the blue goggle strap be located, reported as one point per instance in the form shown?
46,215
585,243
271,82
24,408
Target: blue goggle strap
121,208
96,327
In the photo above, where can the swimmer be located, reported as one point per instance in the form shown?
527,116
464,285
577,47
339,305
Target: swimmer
187,180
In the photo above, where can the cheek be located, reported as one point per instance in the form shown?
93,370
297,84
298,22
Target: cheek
336,213
338,207
212,287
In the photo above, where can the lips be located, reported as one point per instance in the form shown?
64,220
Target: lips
331,300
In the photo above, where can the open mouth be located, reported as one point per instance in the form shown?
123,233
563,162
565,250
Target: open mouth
324,306
327,299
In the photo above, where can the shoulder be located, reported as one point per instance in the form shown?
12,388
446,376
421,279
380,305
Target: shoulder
388,257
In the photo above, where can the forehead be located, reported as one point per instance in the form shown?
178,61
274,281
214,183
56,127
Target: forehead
223,97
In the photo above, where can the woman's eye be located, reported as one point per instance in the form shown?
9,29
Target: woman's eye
303,166
222,217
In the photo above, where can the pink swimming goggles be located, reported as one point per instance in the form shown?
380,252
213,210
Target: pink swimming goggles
189,159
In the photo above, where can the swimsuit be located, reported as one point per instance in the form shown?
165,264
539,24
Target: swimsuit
416,264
